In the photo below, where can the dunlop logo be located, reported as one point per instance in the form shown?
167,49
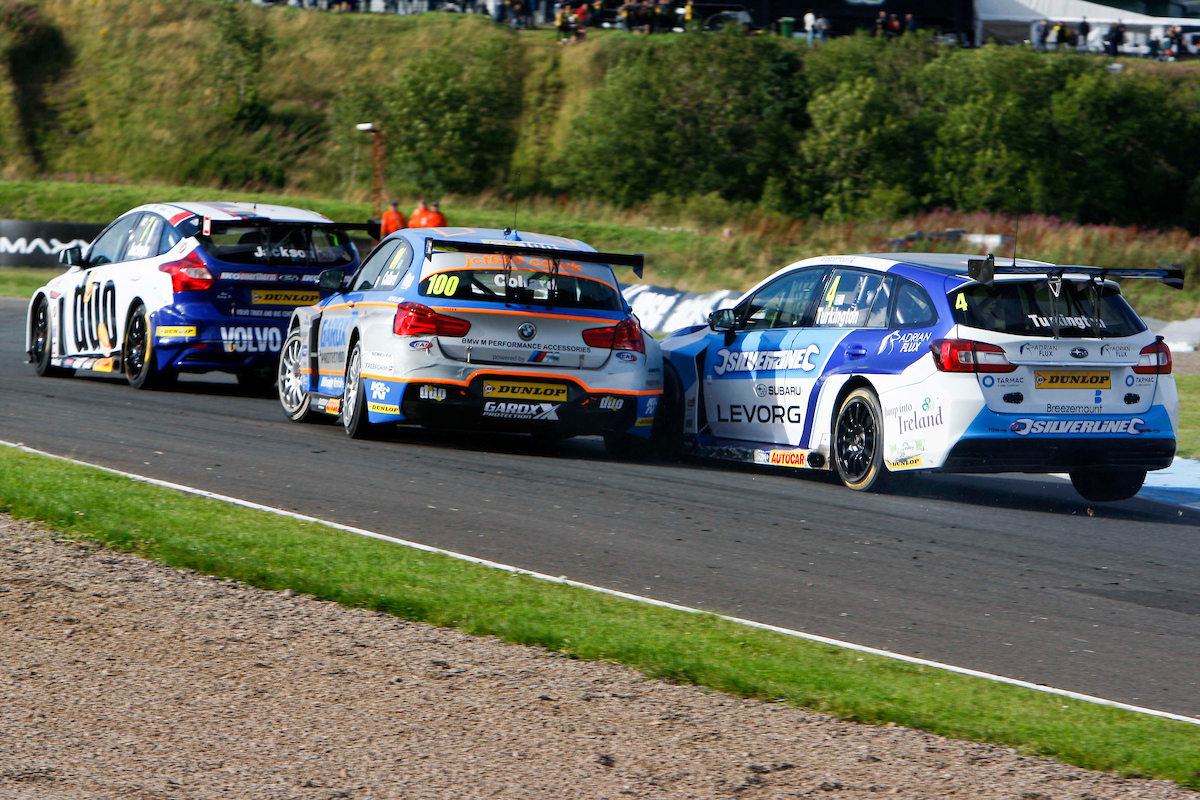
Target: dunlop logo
531,391
274,297
1072,380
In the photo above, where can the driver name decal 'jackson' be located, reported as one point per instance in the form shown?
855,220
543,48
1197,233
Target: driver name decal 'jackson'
765,360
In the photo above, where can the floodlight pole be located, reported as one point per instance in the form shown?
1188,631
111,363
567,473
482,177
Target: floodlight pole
377,178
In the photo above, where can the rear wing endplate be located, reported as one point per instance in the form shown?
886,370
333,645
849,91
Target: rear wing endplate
984,271
635,262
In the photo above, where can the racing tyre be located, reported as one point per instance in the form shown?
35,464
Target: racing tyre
667,433
137,356
354,399
293,396
1107,485
258,382
858,442
41,341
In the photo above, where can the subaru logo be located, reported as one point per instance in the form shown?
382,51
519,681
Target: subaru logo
1078,352
527,331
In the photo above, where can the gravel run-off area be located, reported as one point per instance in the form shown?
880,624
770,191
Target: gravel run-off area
122,678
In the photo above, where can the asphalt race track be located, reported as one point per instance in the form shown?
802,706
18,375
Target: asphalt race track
1009,575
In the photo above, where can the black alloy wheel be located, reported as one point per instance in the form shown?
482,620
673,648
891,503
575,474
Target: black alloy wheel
41,342
137,357
858,442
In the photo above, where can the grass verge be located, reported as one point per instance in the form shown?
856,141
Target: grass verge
1189,415
275,552
22,281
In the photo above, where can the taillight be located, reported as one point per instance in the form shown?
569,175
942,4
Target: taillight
188,274
1155,359
414,319
964,355
625,335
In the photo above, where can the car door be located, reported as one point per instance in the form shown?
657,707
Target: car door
338,315
853,315
92,307
758,376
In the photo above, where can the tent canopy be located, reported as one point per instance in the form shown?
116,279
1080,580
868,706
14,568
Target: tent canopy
1071,11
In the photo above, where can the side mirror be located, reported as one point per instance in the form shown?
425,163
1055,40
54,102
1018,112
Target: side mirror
722,320
71,256
331,279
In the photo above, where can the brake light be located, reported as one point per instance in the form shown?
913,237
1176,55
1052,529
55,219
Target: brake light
964,355
1155,359
188,274
414,319
625,335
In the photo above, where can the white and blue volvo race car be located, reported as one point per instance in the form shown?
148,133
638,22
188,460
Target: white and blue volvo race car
185,287
873,365
484,329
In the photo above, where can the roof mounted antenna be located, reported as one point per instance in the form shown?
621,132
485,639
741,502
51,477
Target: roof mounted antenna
516,200
1016,235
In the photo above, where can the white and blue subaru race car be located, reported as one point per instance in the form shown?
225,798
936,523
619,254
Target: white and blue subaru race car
185,287
465,328
872,365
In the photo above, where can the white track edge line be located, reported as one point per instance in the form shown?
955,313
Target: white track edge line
812,637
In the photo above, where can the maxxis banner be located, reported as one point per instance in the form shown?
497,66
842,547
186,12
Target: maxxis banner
30,243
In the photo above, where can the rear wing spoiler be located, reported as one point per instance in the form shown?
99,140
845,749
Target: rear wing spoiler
210,226
984,271
635,262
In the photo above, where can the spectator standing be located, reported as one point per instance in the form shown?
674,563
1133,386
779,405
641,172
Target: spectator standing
392,220
436,218
893,27
421,216
810,26
823,28
1084,30
910,24
1041,34
881,24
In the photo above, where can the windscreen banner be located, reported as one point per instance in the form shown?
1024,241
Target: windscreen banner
28,243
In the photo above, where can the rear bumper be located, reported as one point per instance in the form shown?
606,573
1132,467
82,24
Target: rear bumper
1058,455
195,337
580,413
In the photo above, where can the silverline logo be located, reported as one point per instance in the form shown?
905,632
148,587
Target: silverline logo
1025,426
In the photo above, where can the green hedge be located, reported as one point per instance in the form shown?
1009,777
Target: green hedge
232,95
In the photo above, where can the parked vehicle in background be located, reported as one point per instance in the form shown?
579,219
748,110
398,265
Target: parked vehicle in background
465,328
881,364
185,287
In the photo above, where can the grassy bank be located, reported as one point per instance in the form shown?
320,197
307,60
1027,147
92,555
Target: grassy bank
700,245
22,281
275,553
1189,415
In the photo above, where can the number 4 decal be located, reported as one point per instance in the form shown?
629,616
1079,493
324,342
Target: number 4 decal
961,303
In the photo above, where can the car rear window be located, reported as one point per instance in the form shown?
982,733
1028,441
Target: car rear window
1030,308
291,245
484,278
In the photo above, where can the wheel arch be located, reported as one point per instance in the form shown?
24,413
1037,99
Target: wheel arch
855,382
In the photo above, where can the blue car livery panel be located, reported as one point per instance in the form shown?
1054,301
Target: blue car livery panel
185,287
878,364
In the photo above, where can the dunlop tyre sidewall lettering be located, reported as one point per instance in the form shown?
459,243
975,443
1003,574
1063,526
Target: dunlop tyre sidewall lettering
302,411
354,409
149,376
